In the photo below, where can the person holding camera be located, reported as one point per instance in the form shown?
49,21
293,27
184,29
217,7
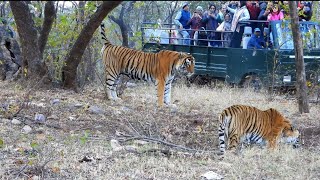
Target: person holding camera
195,22
254,10
275,13
210,18
305,12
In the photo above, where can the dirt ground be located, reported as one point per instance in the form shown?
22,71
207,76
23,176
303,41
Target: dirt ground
73,140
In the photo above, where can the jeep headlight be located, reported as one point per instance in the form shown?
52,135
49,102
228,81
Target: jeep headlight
287,79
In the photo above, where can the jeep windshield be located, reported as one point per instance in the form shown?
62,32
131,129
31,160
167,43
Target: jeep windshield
283,35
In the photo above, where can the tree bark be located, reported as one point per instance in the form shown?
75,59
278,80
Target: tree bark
49,16
300,69
69,71
32,60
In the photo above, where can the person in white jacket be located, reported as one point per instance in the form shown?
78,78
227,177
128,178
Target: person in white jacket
241,13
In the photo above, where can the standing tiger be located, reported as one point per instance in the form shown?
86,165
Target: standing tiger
159,68
241,123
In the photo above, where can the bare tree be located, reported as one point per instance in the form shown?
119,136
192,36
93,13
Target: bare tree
300,70
124,27
32,46
69,71
172,10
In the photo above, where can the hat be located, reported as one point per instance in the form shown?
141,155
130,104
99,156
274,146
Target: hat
185,4
199,9
257,30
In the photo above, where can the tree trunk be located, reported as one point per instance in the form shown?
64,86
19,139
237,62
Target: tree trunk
124,28
2,9
69,71
49,16
32,60
300,70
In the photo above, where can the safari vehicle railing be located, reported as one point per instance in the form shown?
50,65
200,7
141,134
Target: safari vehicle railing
172,31
274,66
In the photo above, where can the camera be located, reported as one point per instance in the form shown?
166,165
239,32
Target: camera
233,5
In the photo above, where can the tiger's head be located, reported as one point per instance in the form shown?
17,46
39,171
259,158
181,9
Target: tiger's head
186,62
290,135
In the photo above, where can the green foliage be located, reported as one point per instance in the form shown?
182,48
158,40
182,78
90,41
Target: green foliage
139,4
90,7
1,143
62,36
34,145
84,138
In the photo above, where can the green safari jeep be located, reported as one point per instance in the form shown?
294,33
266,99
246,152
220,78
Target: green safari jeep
267,67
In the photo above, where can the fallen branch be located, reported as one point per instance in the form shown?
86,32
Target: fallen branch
19,172
150,139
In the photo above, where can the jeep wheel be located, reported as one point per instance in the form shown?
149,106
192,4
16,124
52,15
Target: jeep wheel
252,81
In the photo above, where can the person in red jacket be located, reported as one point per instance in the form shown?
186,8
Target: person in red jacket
254,11
195,22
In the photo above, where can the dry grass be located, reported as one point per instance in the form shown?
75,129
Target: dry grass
76,133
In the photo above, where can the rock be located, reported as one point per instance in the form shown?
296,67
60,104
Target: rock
115,145
54,117
95,110
125,109
211,175
194,111
35,177
40,118
78,105
173,108
131,148
117,112
140,142
55,101
73,117
4,107
15,121
39,104
26,129
129,84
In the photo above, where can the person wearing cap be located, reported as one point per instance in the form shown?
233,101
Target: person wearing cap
256,41
267,39
181,20
195,22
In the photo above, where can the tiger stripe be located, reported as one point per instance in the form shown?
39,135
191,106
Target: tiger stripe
254,125
158,68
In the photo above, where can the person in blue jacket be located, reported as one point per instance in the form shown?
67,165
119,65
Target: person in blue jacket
181,20
256,41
